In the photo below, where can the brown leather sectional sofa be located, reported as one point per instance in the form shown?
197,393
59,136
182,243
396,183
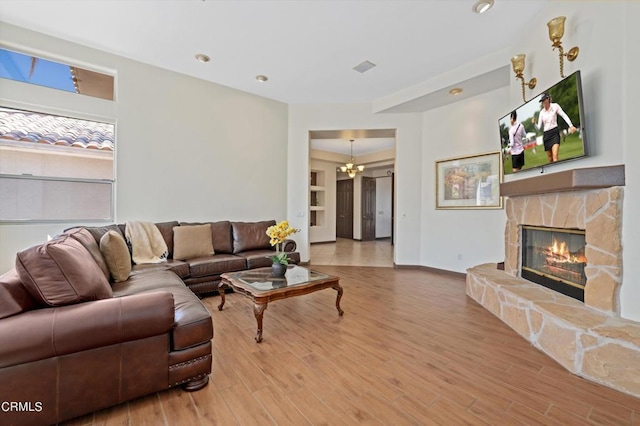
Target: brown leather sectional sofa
72,341
238,246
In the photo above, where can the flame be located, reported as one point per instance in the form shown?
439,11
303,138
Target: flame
561,251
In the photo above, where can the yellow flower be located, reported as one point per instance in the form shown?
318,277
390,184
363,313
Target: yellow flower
279,232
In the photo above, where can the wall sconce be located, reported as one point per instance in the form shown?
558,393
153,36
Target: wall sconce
556,31
518,68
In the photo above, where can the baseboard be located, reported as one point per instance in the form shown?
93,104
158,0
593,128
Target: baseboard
352,239
434,270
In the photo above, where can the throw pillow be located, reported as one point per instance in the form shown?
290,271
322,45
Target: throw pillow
116,253
193,241
251,235
62,272
86,239
221,236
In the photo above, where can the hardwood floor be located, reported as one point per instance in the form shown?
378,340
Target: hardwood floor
347,252
411,348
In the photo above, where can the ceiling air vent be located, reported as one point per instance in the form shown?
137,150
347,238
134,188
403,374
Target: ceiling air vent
365,66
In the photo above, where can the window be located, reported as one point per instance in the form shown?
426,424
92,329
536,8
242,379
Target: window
55,168
42,72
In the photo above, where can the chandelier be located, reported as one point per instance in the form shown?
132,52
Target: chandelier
350,168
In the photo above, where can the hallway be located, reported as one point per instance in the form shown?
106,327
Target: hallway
345,252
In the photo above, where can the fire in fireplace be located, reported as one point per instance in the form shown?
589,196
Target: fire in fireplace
554,258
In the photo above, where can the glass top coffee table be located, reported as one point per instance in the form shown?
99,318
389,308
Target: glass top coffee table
262,287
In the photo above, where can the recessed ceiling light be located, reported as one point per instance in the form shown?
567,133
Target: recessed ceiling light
262,78
482,6
455,91
201,57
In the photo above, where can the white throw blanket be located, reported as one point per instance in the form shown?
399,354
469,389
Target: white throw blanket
147,244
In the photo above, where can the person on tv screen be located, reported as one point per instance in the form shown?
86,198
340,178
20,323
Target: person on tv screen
517,136
548,122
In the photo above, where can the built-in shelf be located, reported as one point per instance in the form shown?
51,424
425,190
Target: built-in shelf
568,180
317,198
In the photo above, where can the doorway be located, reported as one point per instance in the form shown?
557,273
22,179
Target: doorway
353,221
368,224
344,209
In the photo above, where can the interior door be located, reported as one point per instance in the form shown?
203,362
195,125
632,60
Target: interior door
393,205
368,208
344,208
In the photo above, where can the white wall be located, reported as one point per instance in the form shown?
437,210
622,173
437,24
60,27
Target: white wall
454,240
606,33
383,207
450,239
630,291
303,118
384,201
589,26
186,149
182,141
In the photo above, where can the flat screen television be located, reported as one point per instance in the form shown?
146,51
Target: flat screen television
537,145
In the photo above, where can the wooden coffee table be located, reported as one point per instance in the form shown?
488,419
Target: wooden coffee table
262,287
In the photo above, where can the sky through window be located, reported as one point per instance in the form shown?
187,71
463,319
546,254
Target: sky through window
31,69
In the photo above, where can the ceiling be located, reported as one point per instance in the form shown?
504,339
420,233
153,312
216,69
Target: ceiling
365,141
306,48
360,146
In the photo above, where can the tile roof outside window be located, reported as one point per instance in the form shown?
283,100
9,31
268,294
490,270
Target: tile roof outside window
55,130
55,168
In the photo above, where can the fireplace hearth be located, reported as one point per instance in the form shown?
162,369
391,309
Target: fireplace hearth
554,258
590,339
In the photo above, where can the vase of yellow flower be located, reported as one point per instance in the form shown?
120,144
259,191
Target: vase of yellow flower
278,233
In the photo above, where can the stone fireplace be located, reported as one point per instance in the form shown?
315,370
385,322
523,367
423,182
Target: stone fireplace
590,339
598,212
554,258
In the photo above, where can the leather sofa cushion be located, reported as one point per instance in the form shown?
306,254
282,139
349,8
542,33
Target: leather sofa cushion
257,258
262,258
86,239
98,231
147,282
294,257
221,236
251,235
179,267
166,229
192,241
216,265
45,333
61,272
14,297
193,324
115,251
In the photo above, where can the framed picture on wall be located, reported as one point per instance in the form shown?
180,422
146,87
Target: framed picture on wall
471,182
